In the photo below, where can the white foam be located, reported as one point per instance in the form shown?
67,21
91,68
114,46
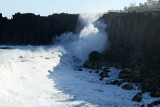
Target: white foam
92,37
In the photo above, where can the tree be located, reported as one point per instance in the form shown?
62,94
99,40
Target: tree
150,5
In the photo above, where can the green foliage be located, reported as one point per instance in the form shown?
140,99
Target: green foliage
150,5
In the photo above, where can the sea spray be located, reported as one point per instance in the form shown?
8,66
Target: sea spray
92,37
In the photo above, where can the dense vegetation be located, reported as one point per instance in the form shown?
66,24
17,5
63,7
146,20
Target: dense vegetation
24,29
150,5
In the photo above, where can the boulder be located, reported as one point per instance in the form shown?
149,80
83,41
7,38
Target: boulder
137,97
106,75
80,69
106,70
97,71
20,56
124,74
86,65
119,83
5,48
97,66
101,78
101,74
114,82
127,87
94,56
90,71
153,104
142,105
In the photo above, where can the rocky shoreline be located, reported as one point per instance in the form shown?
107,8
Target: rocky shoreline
125,80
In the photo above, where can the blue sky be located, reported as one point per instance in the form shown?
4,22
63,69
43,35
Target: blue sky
47,7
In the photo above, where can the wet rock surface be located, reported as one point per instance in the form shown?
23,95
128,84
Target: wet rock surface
124,74
137,97
80,69
5,48
153,104
128,87
117,82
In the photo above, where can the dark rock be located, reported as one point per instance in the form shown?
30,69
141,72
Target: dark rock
107,83
155,93
85,65
79,69
105,75
96,71
119,83
101,78
139,87
90,71
155,103
92,65
127,87
97,66
114,82
124,74
5,48
142,105
94,56
101,74
136,84
123,81
137,97
20,56
106,70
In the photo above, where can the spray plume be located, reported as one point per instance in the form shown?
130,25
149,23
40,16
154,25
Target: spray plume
92,37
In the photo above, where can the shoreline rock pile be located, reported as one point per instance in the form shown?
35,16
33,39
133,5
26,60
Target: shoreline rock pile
124,80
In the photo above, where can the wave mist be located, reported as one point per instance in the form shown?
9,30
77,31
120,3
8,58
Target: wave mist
91,36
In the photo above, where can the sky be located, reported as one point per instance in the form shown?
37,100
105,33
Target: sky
48,7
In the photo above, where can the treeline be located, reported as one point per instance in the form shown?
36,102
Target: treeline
31,29
150,5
